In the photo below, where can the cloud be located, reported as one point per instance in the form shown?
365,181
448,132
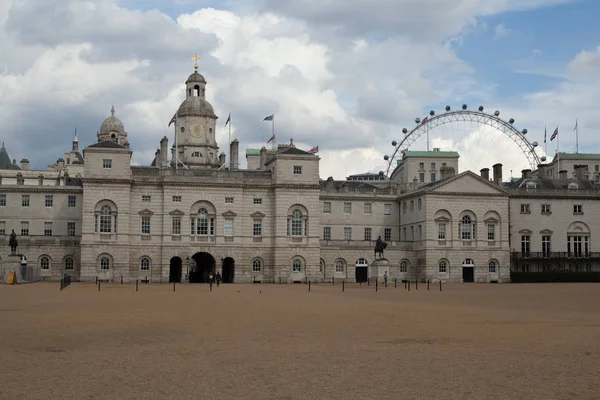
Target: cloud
500,31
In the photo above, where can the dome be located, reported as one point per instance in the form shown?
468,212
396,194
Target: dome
195,106
195,77
112,124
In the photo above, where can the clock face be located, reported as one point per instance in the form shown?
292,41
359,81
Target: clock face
197,130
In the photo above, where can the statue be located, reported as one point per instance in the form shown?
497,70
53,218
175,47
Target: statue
380,245
12,242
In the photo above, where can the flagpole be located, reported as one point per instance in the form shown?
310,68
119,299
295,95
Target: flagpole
273,132
545,143
176,156
558,149
576,137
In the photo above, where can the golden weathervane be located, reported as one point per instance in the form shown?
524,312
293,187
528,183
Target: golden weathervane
195,58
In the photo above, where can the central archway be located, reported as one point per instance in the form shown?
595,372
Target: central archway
205,264
228,270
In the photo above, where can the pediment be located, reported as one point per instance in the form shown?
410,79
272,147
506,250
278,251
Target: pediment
257,214
525,232
546,232
145,211
229,214
176,212
467,182
442,219
491,220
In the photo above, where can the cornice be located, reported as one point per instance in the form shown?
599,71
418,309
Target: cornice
40,189
108,181
345,197
555,196
461,194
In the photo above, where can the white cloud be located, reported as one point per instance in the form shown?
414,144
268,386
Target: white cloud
500,31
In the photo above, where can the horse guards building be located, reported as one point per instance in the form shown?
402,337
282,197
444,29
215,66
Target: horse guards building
94,215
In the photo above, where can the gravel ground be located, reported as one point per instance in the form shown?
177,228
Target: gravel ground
282,342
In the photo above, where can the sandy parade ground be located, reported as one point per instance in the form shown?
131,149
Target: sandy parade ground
469,341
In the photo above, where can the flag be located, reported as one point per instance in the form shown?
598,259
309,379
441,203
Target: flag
272,138
314,150
172,120
575,126
555,134
269,118
544,134
424,120
228,119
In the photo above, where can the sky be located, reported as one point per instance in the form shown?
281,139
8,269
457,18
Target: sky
342,74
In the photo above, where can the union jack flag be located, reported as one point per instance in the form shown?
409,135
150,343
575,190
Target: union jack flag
314,150
555,134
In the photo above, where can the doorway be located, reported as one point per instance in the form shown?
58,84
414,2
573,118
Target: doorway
175,270
361,273
228,270
468,271
205,264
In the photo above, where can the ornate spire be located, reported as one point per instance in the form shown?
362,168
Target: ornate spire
75,139
195,58
112,111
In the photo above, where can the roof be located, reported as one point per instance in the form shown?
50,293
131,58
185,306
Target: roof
107,144
398,162
578,156
5,162
295,151
552,184
435,154
252,152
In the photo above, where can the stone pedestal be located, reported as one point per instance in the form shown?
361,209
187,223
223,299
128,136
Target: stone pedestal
11,264
378,268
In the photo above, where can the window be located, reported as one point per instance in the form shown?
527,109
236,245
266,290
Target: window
228,227
545,208
176,199
546,245
71,228
579,245
433,166
24,228
256,265
257,201
433,176
297,222
466,228
368,208
442,231
2,200
578,209
49,200
525,245
420,232
45,263
297,169
327,207
368,232
421,166
2,228
175,225
25,200
104,263
412,206
387,234
340,266
419,204
228,200
257,227
491,232
347,208
443,267
421,177
146,198
387,209
145,264
347,233
492,267
205,226
326,233
525,209
403,266
404,234
106,164
69,264
443,164
196,154
145,225
297,265
412,233
404,207
47,228
105,219
72,201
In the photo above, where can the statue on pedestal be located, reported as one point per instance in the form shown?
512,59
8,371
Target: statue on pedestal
12,242
380,245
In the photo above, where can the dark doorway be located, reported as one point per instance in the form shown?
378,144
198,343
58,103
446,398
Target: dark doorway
228,270
361,274
468,274
175,270
205,264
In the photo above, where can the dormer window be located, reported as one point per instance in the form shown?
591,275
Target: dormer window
573,186
531,185
196,154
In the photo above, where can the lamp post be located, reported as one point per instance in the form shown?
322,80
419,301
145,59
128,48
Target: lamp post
187,260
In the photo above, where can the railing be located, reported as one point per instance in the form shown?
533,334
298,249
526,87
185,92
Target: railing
171,174
553,254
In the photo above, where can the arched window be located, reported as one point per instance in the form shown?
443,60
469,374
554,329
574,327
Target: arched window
256,265
322,265
340,266
443,267
144,264
403,266
297,223
104,263
105,219
45,263
297,265
466,228
493,267
203,222
69,264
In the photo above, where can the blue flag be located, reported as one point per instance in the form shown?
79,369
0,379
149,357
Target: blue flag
269,118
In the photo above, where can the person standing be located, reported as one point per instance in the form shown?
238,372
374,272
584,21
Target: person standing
385,278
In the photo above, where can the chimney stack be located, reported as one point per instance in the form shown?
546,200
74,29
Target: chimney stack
543,170
497,168
163,158
526,174
447,172
25,164
562,174
222,159
233,154
485,173
263,157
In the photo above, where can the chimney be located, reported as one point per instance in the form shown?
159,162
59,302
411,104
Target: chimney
61,163
543,170
263,157
173,156
526,174
163,159
233,154
447,172
485,173
497,168
562,174
221,159
25,164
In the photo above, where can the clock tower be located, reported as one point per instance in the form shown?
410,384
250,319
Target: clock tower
196,145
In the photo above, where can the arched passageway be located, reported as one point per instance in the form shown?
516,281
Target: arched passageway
205,264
